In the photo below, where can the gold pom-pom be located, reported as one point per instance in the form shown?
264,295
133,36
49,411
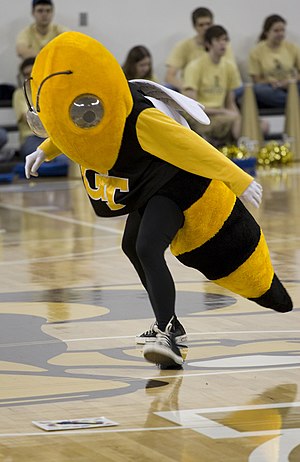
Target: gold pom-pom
271,154
274,154
234,152
245,149
242,154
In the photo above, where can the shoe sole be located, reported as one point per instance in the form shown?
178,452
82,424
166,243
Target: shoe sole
162,356
144,340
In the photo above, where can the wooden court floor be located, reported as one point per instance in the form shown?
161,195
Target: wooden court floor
70,307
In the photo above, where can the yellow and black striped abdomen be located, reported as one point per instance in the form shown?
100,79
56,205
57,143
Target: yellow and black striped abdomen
221,239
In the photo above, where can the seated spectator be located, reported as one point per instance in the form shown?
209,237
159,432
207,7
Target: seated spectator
28,141
211,80
189,49
34,37
273,62
138,64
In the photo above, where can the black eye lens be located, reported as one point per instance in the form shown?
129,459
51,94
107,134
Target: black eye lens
89,116
86,111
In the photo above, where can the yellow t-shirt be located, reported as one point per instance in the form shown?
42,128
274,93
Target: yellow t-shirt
20,107
33,40
211,81
187,50
280,63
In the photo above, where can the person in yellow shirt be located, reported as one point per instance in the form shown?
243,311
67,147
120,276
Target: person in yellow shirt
273,62
35,36
189,49
211,80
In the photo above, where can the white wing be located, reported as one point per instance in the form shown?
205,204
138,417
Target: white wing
176,101
168,110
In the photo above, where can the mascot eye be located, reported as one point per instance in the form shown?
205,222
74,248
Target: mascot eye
86,111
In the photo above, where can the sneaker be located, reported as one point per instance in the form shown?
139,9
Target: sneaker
164,351
177,330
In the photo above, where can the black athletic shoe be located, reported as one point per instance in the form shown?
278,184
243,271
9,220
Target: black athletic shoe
164,351
177,330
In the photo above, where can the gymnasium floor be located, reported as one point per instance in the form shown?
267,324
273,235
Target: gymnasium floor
70,307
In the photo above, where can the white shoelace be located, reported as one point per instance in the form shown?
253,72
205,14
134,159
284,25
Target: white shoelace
151,330
154,328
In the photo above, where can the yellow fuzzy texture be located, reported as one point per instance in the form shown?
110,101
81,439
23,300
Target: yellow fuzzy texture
95,71
254,277
49,149
201,221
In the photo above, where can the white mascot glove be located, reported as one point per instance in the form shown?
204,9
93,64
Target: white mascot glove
253,194
33,162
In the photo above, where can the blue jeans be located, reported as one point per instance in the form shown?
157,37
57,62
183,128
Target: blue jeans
238,95
269,97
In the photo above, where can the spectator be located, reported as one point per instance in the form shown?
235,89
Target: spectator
28,141
272,63
211,80
189,49
138,64
34,37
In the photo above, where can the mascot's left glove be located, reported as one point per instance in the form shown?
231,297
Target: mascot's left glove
33,162
253,194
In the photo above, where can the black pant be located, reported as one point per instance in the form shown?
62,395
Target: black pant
148,233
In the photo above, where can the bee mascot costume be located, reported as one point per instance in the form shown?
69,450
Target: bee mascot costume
131,142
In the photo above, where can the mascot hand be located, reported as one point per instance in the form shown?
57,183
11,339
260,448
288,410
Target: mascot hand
253,194
33,162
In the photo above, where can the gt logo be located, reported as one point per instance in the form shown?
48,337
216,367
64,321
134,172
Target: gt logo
105,188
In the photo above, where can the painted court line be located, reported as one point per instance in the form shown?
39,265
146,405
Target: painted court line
92,432
60,257
117,337
130,430
228,372
170,428
61,218
65,219
40,400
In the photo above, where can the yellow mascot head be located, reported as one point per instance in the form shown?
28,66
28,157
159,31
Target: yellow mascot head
82,98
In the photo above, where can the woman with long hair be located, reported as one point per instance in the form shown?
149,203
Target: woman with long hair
273,62
138,64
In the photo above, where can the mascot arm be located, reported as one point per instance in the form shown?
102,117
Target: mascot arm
51,151
162,137
33,161
46,151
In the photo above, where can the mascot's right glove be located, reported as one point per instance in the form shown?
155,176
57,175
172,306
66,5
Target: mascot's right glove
253,194
33,162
